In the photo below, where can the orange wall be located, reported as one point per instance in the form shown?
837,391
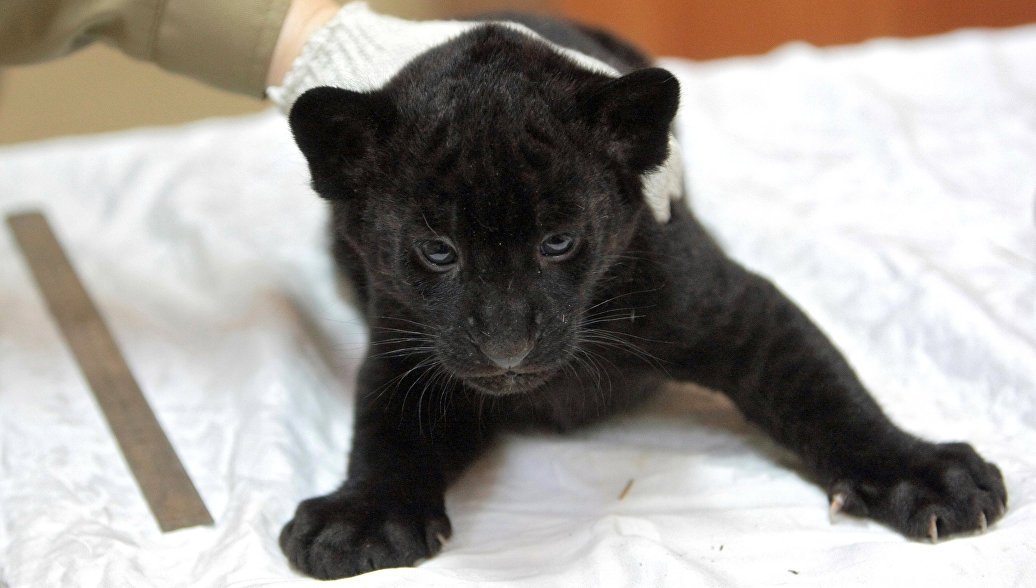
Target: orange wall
718,28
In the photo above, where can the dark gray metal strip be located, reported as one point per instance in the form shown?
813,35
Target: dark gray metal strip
168,489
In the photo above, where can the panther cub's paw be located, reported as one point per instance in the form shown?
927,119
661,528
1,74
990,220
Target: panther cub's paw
347,533
938,491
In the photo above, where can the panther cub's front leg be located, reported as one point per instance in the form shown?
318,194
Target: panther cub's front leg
928,490
785,376
363,527
390,511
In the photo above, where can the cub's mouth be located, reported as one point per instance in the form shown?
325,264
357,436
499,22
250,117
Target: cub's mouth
509,382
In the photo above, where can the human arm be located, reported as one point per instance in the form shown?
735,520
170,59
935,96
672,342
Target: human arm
241,46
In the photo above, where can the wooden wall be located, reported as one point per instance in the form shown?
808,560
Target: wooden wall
704,29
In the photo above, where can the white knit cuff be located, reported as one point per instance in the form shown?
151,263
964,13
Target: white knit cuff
362,50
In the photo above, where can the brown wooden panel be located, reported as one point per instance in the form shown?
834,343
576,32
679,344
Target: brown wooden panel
708,29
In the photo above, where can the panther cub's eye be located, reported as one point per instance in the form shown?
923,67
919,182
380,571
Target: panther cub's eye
558,246
437,254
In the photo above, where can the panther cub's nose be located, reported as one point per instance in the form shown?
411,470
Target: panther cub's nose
509,361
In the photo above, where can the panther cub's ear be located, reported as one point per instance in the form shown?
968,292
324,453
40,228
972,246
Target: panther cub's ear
633,114
336,130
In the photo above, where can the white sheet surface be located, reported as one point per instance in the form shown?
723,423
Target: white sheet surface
890,188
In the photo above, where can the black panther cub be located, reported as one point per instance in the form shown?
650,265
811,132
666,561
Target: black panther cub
488,206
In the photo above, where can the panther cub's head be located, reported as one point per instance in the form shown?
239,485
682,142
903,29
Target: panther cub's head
487,190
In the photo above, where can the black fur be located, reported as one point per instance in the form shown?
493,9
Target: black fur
487,207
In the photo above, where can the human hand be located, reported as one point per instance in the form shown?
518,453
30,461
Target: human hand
304,17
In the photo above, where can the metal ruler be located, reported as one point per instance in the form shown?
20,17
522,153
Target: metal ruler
168,489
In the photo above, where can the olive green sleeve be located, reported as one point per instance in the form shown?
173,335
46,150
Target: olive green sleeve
225,43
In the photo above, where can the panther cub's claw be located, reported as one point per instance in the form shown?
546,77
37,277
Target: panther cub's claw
837,502
982,523
933,529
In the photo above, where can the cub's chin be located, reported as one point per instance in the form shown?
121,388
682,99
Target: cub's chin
507,383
